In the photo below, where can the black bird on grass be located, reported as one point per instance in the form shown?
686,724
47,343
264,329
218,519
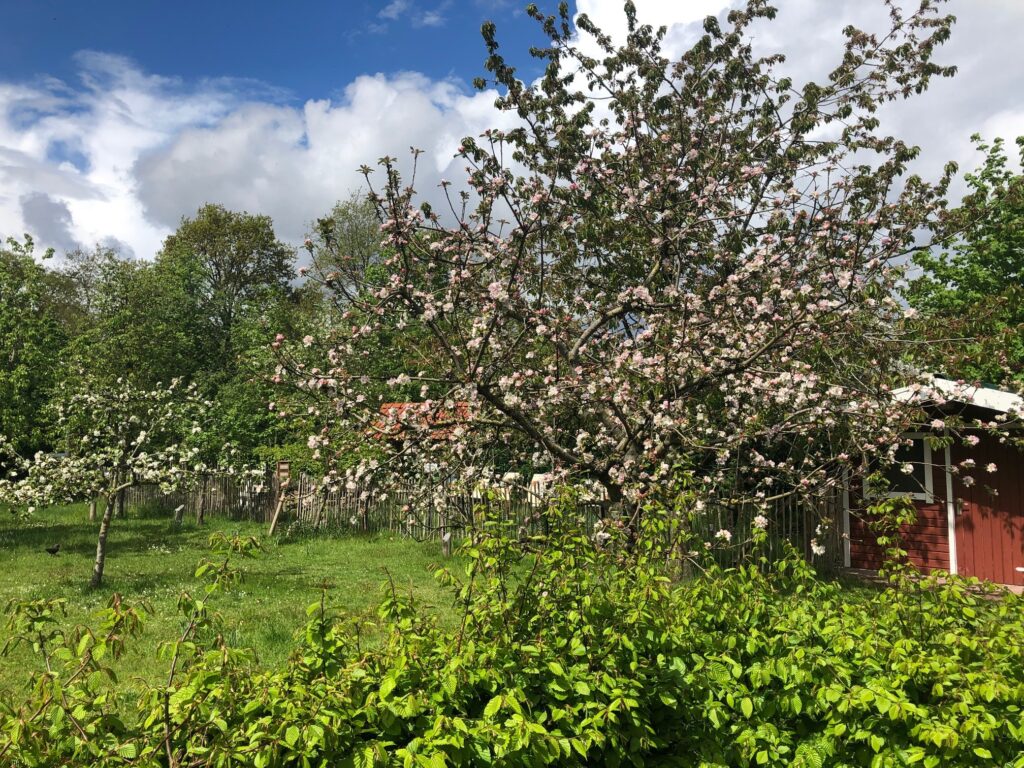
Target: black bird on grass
54,549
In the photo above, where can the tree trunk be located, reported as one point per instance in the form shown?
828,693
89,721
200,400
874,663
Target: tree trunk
101,542
201,507
119,509
92,510
179,513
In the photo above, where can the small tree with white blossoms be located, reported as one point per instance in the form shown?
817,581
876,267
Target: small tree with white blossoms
113,436
670,269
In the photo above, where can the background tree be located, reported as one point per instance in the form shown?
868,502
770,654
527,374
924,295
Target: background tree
228,264
85,273
32,338
664,273
347,240
142,325
971,296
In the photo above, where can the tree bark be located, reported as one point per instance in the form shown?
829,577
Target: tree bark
101,542
119,503
92,510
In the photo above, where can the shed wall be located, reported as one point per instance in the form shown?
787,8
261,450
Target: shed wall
926,541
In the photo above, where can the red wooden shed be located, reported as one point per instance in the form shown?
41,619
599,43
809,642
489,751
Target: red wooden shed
970,522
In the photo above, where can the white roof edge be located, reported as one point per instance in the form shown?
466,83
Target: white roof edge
961,392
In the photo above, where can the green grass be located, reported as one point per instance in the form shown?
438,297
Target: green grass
148,558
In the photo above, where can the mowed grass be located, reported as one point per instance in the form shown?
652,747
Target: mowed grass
149,559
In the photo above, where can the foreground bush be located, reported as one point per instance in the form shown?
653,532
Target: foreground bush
567,654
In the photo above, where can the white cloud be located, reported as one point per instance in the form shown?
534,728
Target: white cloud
394,9
122,154
295,163
433,18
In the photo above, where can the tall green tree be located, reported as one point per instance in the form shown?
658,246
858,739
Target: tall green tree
32,339
971,295
142,325
347,239
229,265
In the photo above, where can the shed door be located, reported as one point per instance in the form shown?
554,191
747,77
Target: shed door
990,527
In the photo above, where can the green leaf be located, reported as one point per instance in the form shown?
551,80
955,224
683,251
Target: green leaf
128,751
747,707
493,706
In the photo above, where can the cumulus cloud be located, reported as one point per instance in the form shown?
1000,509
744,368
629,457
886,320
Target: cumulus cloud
295,163
123,154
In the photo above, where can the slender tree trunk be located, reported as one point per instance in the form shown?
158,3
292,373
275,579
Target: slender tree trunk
101,542
119,509
92,510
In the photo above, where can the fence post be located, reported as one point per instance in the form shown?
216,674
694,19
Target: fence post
201,506
446,535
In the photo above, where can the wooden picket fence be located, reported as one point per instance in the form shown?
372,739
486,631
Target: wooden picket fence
216,496
438,514
454,514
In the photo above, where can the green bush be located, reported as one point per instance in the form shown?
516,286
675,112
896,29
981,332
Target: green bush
567,653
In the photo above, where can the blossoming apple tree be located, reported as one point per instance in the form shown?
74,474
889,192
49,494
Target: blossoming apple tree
113,436
669,268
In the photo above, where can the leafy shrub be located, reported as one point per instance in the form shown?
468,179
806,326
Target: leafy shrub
570,653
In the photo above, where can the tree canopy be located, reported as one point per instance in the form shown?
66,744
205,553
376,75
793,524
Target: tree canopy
971,295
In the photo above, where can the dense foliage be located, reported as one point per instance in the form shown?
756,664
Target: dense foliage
31,338
567,653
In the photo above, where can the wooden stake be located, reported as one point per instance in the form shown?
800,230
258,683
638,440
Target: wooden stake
277,512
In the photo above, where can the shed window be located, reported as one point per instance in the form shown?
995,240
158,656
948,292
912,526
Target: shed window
916,454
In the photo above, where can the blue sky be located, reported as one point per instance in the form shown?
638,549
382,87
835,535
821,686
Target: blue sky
118,118
309,49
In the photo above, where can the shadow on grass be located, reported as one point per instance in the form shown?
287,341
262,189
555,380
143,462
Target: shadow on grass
80,537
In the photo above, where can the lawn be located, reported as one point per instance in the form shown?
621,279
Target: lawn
150,559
